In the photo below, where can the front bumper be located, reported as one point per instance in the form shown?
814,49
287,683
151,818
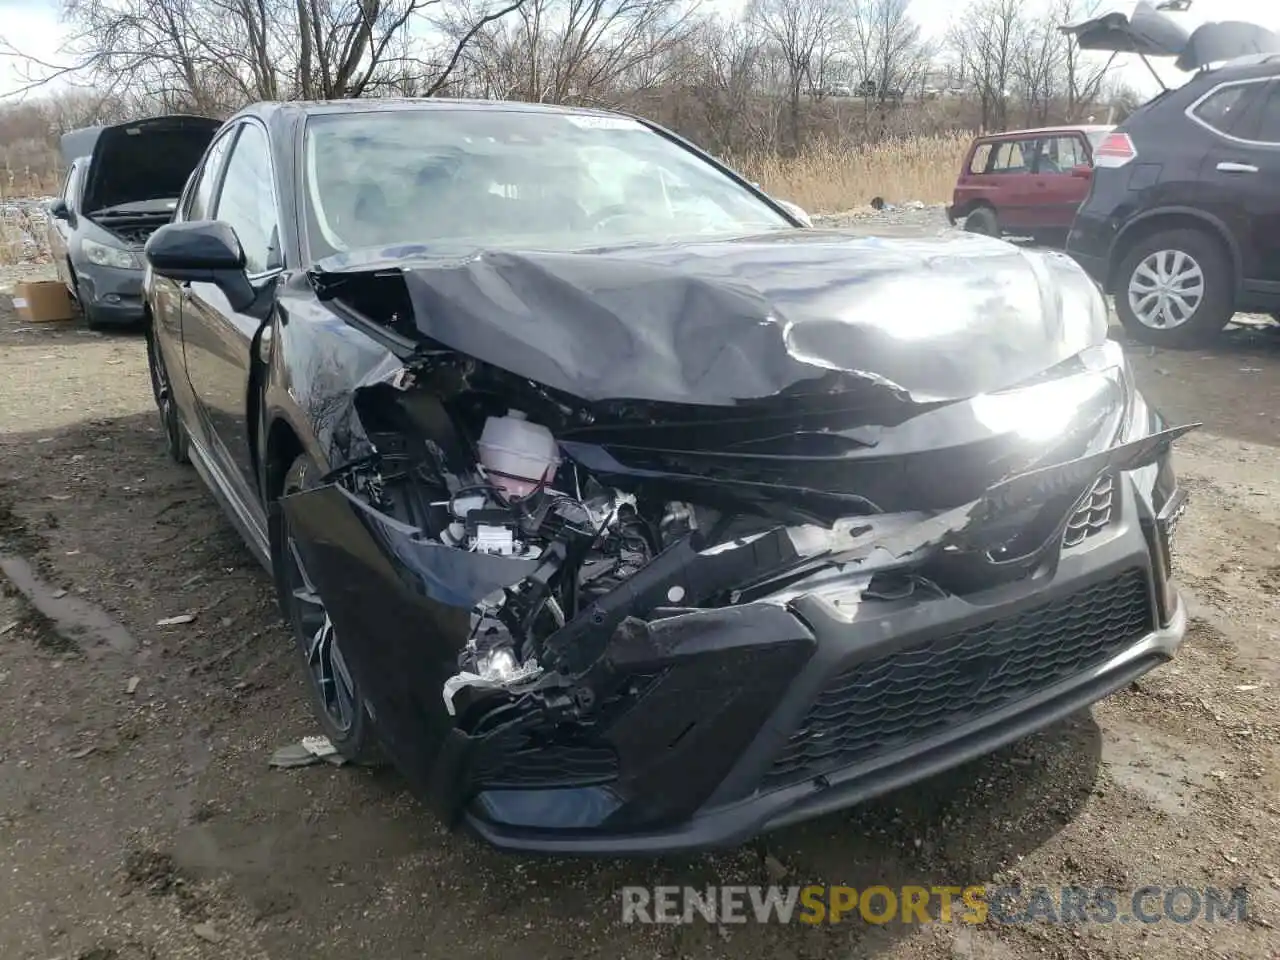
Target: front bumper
746,718
736,823
780,778
109,295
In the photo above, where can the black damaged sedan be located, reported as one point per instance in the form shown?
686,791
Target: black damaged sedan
621,510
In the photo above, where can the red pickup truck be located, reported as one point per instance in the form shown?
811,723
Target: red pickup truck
1026,182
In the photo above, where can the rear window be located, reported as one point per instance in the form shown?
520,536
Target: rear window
1060,154
981,157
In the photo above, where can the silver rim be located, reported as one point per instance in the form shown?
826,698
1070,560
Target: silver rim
320,643
1166,289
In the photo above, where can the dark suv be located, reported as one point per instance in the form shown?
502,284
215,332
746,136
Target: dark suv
1182,222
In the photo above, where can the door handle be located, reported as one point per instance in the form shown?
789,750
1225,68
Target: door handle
1229,166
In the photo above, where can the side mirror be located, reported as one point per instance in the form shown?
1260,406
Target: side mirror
796,211
59,210
202,251
1082,170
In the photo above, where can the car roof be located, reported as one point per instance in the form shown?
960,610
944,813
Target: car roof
1048,131
1249,66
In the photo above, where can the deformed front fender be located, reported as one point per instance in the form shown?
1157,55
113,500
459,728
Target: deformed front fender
401,606
404,602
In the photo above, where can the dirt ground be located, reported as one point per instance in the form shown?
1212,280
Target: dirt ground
139,819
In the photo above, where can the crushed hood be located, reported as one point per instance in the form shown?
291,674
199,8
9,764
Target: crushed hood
1146,30
730,321
141,160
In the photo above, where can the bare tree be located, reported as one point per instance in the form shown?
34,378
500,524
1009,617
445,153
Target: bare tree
213,55
796,29
1083,73
887,46
1037,62
729,56
560,51
984,40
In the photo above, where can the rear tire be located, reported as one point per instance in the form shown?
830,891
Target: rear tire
336,699
984,221
1175,289
175,434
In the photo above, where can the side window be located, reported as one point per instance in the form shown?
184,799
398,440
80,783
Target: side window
981,157
1264,122
1060,154
247,202
1222,109
199,202
1013,156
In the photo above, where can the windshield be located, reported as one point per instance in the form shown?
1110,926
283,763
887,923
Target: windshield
1097,136
461,179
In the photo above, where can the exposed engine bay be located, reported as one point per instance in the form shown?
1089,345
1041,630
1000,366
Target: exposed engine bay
132,228
575,554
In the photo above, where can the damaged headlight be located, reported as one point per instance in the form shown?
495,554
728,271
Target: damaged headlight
108,256
1046,409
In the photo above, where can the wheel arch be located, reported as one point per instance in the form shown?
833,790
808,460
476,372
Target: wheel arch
977,203
1170,218
283,446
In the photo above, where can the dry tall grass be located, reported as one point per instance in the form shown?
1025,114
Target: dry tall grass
831,178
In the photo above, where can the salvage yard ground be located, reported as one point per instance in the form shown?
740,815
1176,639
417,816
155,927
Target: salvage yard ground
139,819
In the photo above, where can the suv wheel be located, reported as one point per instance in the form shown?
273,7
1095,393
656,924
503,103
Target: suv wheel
1175,289
982,220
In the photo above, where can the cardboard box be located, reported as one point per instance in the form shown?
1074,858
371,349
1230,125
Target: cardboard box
42,300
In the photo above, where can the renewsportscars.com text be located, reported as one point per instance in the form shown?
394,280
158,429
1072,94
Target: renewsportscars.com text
822,904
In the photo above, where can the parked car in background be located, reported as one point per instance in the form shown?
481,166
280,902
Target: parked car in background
1026,183
122,182
622,511
1182,223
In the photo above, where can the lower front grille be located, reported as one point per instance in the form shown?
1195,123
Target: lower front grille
547,765
912,694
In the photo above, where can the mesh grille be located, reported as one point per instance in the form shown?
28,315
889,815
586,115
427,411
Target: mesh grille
909,695
1092,514
549,765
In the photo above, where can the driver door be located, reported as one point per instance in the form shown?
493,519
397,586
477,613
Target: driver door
218,341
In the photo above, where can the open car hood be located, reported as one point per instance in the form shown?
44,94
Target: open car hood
141,160
721,322
1145,30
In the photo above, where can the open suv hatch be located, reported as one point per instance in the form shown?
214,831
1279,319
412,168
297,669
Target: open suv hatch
1180,220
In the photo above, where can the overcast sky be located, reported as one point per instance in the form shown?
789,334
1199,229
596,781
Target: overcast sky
32,27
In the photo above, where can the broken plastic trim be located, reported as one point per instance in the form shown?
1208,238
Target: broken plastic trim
462,579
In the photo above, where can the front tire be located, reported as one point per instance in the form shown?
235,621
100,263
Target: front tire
1175,289
336,698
